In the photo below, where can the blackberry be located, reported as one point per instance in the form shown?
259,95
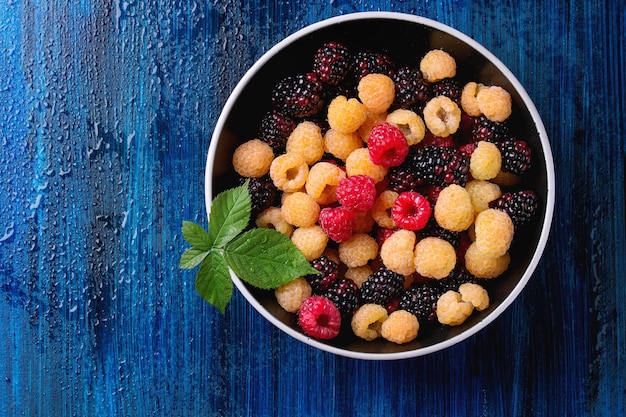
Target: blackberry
371,62
516,155
262,193
485,129
433,229
521,206
381,287
437,165
448,87
331,63
457,277
402,178
411,87
275,129
328,274
298,95
344,293
420,299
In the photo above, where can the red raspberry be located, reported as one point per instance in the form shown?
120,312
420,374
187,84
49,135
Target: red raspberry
382,234
337,222
411,211
387,145
319,317
357,192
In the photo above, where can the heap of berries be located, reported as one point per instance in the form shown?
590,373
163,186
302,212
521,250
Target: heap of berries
402,185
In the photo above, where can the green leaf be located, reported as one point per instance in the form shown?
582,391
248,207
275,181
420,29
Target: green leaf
230,213
196,236
266,259
192,257
213,281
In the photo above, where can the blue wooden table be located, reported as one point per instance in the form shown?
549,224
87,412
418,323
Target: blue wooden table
107,112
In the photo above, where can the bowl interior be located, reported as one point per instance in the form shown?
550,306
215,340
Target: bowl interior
406,40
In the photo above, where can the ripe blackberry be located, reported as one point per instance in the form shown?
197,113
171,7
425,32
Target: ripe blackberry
439,166
433,229
298,95
485,129
344,293
516,155
420,299
275,129
381,287
411,87
402,178
328,274
457,277
262,193
448,87
331,63
521,206
371,62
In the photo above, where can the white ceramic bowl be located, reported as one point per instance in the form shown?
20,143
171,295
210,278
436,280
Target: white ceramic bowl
398,34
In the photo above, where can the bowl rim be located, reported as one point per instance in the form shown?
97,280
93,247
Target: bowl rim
543,138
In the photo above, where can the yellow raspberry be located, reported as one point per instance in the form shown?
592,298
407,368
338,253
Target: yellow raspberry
289,172
400,327
482,193
363,222
381,212
322,182
358,250
376,92
454,210
272,218
307,140
291,295
396,252
507,179
359,163
495,103
494,232
482,266
300,209
434,258
437,65
486,161
253,158
469,102
371,120
442,116
359,274
367,321
310,240
409,123
340,145
475,294
346,115
452,310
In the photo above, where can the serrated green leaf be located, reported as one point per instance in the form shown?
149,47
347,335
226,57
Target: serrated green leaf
230,213
213,281
192,258
266,259
196,236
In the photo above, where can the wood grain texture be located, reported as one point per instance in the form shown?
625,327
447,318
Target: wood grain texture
107,111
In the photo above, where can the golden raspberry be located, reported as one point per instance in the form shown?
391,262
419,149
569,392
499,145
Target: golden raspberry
507,179
486,161
442,116
400,327
452,310
381,212
363,222
359,163
366,127
340,145
359,274
469,102
289,172
494,232
434,258
437,65
322,182
409,123
376,92
358,250
346,115
482,266
291,295
253,158
495,103
307,140
310,240
396,252
300,209
367,321
475,294
482,193
272,218
454,210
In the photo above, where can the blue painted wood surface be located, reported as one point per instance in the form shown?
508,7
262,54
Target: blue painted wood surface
107,111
